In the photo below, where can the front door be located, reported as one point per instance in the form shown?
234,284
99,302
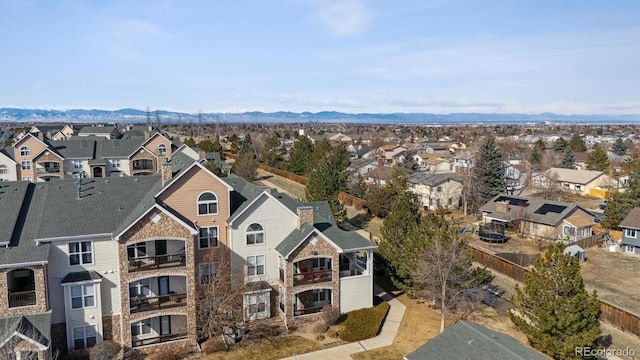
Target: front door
165,325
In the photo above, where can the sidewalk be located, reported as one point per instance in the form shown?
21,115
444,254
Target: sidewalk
385,338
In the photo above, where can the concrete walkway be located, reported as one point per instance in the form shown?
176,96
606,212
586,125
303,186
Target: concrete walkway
385,338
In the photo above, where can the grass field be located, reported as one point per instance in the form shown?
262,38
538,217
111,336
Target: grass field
270,349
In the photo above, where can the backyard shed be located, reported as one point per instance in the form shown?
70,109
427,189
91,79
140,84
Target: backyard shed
575,251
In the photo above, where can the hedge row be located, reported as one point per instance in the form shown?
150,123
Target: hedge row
364,323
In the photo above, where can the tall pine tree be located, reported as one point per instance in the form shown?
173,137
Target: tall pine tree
568,160
553,309
576,143
619,147
300,156
328,179
488,173
598,159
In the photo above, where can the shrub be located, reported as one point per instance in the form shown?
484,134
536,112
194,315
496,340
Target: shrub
332,333
319,327
330,314
364,323
106,350
214,345
319,337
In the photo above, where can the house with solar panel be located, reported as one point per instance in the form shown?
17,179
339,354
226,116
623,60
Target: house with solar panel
129,258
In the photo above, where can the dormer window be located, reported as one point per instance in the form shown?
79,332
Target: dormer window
24,151
207,204
162,149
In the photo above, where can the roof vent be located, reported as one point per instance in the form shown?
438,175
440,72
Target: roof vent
136,180
40,187
107,181
470,342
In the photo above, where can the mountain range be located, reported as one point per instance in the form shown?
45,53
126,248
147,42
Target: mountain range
140,116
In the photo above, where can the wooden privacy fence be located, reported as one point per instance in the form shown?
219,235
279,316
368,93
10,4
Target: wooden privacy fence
342,196
591,241
620,318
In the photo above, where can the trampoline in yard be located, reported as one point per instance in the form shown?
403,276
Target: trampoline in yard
492,233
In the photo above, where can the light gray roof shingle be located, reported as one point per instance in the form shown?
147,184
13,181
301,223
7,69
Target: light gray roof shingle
79,276
632,220
34,326
432,179
532,209
465,340
76,148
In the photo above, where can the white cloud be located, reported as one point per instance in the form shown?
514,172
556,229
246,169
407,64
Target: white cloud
343,17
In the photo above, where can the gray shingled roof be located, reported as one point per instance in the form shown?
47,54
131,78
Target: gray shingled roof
76,148
96,130
105,203
465,340
244,193
632,220
531,209
180,161
119,148
35,326
432,179
79,276
294,239
12,196
8,151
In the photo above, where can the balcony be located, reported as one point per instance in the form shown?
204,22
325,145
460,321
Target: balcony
156,262
311,301
159,339
142,166
308,311
141,304
22,298
312,277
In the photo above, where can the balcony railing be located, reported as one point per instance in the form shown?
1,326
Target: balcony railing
42,171
309,310
354,272
142,165
156,262
312,277
159,339
141,304
22,298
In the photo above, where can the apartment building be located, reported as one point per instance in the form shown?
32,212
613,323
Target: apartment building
127,259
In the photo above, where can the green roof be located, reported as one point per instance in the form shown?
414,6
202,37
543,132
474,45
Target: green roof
34,326
465,340
79,276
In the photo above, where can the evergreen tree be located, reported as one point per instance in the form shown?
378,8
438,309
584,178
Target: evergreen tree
234,140
576,143
560,144
539,144
300,156
217,147
622,202
246,166
214,168
553,309
598,159
488,174
535,157
397,247
269,155
568,161
378,201
356,185
328,179
320,152
190,142
246,145
206,146
619,147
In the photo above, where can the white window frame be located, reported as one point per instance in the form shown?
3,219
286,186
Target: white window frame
141,326
630,233
142,288
629,249
209,237
254,264
26,178
25,151
254,235
77,164
4,170
321,295
207,272
84,336
162,149
80,253
207,203
255,300
84,295
136,250
115,163
25,165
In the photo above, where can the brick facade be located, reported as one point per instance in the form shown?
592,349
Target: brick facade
40,288
142,154
304,252
165,228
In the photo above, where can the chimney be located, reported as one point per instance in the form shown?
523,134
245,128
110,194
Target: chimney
166,171
305,215
502,207
146,134
381,161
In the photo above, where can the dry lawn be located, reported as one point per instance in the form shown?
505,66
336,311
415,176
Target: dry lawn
270,349
611,275
292,187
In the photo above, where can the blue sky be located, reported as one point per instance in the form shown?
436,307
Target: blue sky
502,56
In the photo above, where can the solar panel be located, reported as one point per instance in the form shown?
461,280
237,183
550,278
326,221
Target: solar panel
547,208
513,201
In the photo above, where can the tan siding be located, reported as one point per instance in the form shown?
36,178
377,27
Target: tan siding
35,146
153,144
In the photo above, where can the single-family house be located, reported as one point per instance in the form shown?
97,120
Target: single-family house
630,226
392,154
578,181
436,191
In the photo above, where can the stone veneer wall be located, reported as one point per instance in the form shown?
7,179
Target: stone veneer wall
143,154
111,328
304,251
41,293
146,230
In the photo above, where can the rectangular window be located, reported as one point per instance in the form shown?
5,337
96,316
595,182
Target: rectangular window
628,249
77,164
321,295
141,328
255,265
207,272
115,163
83,296
630,233
578,187
26,178
439,189
208,237
257,303
3,170
80,253
137,250
139,288
26,165
84,337
321,263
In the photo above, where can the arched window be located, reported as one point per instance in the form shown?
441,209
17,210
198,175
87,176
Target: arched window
24,151
255,234
162,149
207,204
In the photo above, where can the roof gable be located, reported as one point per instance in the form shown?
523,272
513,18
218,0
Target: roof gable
171,215
251,205
155,134
198,167
27,136
632,220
